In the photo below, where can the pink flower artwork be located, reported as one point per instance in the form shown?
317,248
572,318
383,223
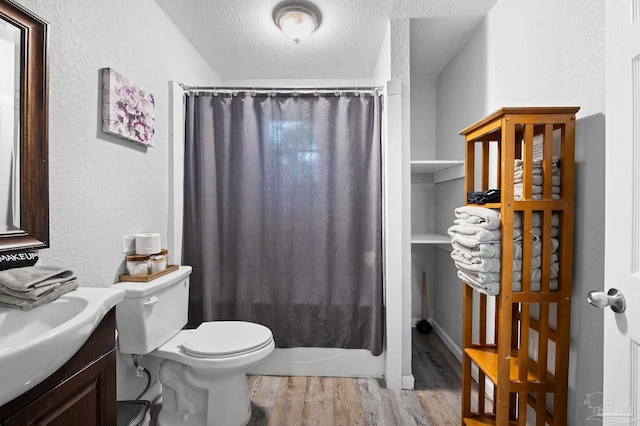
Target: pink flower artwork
127,110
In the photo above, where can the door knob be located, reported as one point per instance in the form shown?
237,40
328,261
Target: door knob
613,298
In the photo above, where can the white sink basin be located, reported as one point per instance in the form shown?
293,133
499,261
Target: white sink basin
35,343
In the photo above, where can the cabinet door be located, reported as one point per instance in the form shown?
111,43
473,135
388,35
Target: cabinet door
86,399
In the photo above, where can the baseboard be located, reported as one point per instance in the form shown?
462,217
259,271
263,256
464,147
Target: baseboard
448,341
408,382
457,352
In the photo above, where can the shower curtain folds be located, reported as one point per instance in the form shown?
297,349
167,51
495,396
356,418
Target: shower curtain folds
282,215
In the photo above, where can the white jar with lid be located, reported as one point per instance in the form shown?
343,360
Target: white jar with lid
138,264
159,261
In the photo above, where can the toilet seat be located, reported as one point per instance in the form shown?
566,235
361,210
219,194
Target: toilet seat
220,339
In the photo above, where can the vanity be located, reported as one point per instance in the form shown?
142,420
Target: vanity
81,392
58,361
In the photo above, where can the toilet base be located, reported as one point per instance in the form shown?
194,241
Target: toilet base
190,398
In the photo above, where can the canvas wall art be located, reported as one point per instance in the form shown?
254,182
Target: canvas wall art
127,110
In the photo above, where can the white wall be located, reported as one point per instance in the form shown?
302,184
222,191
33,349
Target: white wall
535,52
101,186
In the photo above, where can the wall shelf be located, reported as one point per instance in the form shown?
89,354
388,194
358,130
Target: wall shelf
442,170
430,238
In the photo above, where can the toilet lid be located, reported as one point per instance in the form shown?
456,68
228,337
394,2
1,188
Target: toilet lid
224,338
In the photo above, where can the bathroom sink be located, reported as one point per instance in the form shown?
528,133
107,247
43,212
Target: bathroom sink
35,343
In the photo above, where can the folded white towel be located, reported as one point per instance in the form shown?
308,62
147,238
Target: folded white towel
478,264
469,241
476,232
30,277
478,216
34,294
9,301
489,288
482,250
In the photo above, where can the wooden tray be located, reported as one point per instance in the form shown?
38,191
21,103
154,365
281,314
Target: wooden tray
150,277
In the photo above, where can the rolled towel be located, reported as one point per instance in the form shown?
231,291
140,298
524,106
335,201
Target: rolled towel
30,277
535,285
476,232
537,179
482,250
478,216
536,274
489,288
9,301
536,262
534,197
536,248
536,219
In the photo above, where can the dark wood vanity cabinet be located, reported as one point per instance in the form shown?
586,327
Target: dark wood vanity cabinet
81,393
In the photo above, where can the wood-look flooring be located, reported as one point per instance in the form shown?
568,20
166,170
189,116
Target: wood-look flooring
324,401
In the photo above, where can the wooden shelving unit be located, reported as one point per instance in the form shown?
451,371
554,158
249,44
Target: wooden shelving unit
522,341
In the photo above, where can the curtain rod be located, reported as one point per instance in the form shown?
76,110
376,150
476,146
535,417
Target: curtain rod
310,89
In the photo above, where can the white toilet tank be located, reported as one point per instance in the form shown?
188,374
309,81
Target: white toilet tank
152,312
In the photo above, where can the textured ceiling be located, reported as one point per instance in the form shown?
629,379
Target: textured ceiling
239,39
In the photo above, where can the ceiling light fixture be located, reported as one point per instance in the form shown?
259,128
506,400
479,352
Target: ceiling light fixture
297,20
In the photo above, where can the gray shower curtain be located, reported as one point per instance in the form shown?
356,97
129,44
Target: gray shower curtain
282,215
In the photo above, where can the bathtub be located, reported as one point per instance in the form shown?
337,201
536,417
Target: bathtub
328,362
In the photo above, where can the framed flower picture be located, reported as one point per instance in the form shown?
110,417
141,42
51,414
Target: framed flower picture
127,110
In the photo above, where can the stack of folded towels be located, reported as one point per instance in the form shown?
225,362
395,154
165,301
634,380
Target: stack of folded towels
475,238
536,252
31,286
537,177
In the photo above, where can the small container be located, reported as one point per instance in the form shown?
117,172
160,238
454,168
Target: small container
159,261
138,264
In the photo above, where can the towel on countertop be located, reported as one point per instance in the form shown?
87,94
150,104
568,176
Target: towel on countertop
478,216
34,294
9,301
31,277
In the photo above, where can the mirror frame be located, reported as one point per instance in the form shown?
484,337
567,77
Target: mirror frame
34,130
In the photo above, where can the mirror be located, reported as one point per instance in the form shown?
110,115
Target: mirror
24,183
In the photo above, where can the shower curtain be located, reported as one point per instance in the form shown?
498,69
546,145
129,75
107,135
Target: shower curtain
282,215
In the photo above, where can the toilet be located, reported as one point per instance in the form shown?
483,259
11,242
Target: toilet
203,371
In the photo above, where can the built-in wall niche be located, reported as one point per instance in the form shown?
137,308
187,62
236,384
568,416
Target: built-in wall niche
425,174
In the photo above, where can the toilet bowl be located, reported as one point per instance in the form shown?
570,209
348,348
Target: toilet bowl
203,371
